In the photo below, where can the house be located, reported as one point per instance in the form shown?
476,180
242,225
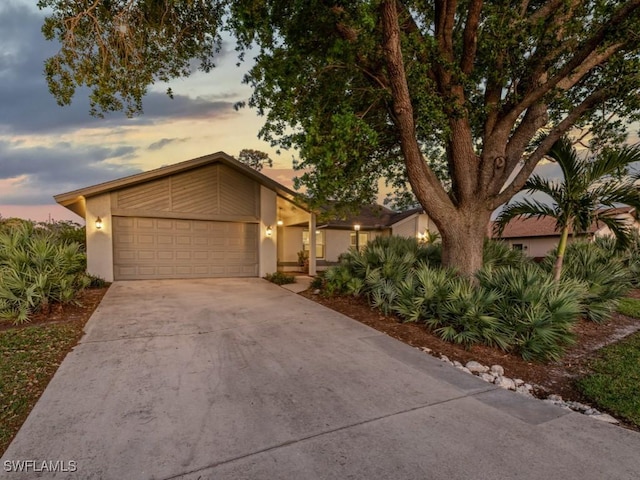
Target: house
537,237
336,236
216,217
207,217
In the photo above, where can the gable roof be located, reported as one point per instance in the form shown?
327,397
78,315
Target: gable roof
74,200
521,227
399,216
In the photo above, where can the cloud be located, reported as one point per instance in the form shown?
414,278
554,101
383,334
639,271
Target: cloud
164,142
27,107
40,172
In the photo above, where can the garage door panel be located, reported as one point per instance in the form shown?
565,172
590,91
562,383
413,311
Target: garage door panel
146,248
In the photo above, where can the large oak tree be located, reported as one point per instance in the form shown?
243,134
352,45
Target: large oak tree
383,88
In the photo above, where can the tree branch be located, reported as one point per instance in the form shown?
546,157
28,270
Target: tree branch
532,161
573,71
424,182
470,37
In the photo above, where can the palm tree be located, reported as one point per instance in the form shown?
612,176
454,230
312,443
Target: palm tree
589,189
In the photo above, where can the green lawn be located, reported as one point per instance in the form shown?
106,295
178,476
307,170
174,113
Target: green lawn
630,307
615,382
28,359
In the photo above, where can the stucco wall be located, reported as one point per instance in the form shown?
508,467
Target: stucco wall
410,227
99,242
268,245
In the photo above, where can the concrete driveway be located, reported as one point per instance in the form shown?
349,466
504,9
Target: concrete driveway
241,379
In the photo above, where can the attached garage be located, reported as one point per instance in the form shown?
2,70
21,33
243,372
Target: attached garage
207,217
148,248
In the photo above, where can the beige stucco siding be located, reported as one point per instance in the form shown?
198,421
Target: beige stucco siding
410,227
99,242
268,244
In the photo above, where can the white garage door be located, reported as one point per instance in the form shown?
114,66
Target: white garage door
148,248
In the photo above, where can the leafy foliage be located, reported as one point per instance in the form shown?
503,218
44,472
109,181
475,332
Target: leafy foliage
500,254
515,304
36,270
537,312
601,269
280,278
374,90
255,159
589,190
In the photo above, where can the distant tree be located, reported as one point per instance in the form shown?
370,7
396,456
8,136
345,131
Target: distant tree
588,188
255,159
366,90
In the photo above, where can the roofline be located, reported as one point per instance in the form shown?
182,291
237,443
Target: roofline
68,199
415,214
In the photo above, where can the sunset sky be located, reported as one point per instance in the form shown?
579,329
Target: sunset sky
46,149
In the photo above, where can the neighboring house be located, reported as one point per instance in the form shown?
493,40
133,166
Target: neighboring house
207,217
337,236
537,237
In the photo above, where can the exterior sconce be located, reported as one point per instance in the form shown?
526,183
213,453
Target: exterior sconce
269,231
98,223
280,223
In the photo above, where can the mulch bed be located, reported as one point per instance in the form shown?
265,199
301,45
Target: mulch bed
555,377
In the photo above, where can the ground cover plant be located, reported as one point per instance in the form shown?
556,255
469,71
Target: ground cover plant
615,381
280,278
629,307
39,267
512,303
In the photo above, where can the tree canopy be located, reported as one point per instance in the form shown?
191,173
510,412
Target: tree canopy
376,89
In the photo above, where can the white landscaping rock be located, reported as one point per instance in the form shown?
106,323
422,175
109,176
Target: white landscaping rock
497,370
487,377
476,367
519,382
603,417
444,358
505,382
523,391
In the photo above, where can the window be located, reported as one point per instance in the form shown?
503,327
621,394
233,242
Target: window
319,242
517,246
364,238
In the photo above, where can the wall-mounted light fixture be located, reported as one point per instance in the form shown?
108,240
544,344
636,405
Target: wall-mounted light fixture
269,231
99,224
280,222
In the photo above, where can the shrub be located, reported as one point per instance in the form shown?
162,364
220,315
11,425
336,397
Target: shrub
537,312
631,258
499,254
36,270
318,281
280,278
516,305
601,269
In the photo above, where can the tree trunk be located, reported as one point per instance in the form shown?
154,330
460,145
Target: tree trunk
562,247
463,239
